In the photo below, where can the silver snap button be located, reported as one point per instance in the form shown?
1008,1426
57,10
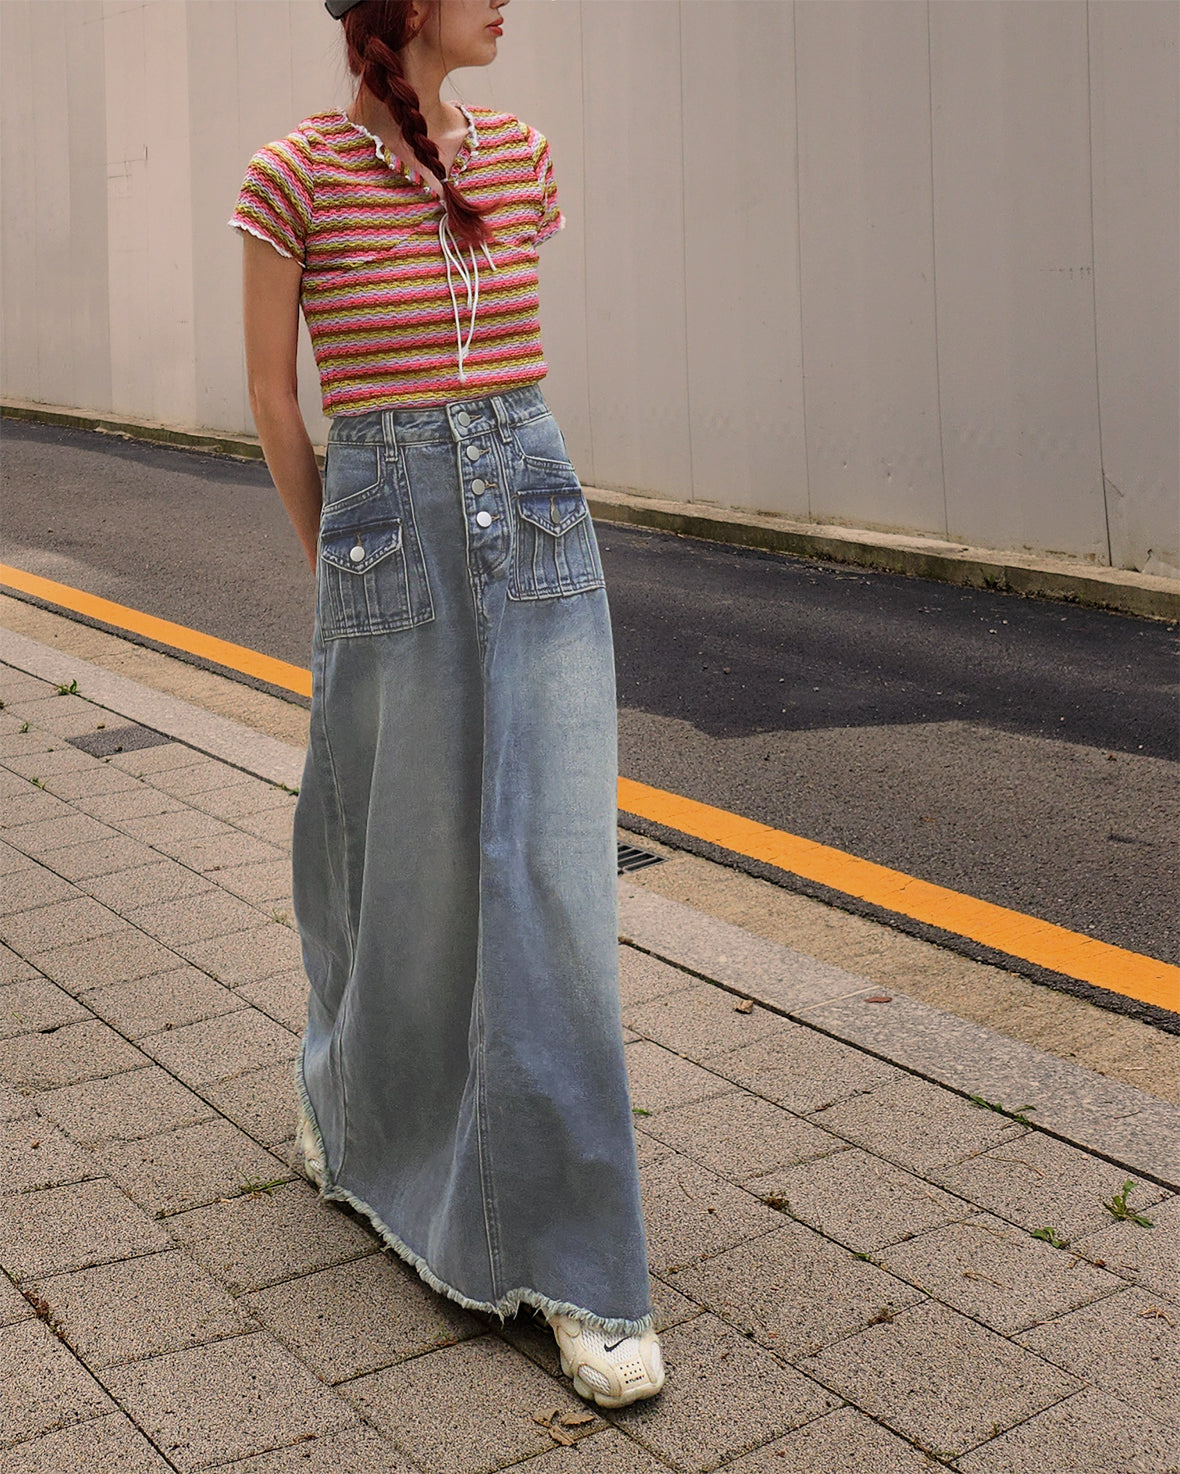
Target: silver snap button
463,417
357,554
479,486
474,452
484,519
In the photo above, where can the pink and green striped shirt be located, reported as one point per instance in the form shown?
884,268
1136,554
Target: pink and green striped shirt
388,315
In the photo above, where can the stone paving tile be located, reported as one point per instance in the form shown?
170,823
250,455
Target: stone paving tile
355,1318
44,1386
248,1243
123,1107
649,1151
89,782
660,1079
226,1400
272,825
266,881
356,1450
34,1003
606,1451
101,854
196,918
794,1292
261,1102
997,1274
140,1307
145,760
701,1021
46,839
252,797
77,920
188,1168
13,861
282,997
60,758
860,1200
723,1398
835,1444
213,853
104,1445
803,1070
13,1305
32,886
160,880
247,956
221,1047
481,1396
118,958
62,1228
81,1051
163,830
1128,1344
16,1104
35,1154
939,1379
740,1136
692,1212
62,713
1090,1433
151,1005
204,776
1149,1257
1041,1182
919,1126
32,807
13,967
136,802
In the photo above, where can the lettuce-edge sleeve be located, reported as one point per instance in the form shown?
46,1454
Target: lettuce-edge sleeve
277,197
549,218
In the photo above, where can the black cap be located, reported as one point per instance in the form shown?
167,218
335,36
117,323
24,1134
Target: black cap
339,7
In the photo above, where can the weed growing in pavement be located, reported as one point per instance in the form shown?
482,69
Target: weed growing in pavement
70,690
253,1188
286,787
24,727
640,1111
1014,1113
37,782
1120,1209
1050,1236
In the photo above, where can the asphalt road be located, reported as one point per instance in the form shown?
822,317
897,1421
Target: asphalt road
1019,750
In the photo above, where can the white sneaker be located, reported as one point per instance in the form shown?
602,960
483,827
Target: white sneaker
314,1167
608,1369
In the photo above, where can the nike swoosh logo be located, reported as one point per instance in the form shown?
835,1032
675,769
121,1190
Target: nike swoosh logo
615,1347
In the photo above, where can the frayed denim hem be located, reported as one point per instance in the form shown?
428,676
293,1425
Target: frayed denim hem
508,1305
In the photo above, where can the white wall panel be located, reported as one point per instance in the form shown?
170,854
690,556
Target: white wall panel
88,382
741,232
1136,227
1014,267
635,246
19,281
867,264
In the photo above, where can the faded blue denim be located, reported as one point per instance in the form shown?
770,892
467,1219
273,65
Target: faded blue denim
454,864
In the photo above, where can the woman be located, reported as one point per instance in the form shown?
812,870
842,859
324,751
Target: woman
461,1079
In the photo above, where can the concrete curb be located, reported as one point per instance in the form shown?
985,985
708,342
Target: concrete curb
1134,1130
1122,590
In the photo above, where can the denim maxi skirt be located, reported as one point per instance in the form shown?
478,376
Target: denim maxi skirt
455,868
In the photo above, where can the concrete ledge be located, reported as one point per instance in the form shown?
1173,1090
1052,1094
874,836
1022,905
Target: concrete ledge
1134,1130
1122,590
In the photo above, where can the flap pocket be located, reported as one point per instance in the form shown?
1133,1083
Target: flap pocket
555,512
356,549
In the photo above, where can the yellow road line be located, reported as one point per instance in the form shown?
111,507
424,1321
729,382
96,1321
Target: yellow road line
163,631
1053,947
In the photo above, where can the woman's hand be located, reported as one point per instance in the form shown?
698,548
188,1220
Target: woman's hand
271,316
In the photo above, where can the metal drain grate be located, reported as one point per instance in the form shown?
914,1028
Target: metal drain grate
110,740
631,858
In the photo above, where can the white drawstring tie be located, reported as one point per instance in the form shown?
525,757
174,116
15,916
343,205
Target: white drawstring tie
470,278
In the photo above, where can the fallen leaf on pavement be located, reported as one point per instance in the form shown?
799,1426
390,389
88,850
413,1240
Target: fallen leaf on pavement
879,998
745,1006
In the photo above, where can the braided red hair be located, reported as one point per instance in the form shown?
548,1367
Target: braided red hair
375,33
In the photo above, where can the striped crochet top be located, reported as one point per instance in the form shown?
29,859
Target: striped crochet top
398,313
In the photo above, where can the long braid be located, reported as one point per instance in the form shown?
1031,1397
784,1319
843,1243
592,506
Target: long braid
375,34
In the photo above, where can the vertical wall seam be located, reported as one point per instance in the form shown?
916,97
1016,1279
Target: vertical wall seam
1094,285
692,480
799,258
590,476
946,519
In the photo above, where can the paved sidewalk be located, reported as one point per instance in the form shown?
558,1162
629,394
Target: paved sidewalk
856,1268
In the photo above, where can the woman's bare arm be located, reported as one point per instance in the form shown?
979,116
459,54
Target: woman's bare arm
271,316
